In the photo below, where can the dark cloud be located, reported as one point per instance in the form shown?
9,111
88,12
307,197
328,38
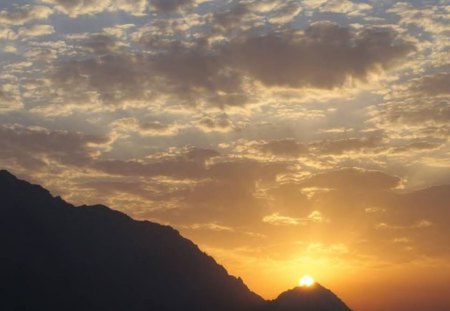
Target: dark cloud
353,179
191,164
324,56
19,15
422,104
438,84
188,164
154,126
144,128
219,123
417,111
293,148
178,168
227,194
148,191
100,44
115,78
195,70
32,146
188,74
226,21
285,147
417,146
345,145
200,154
9,99
214,187
171,5
75,8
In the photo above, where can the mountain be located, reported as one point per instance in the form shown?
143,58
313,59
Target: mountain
313,298
55,256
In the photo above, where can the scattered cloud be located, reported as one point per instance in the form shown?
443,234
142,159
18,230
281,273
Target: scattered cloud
22,14
35,147
36,31
81,7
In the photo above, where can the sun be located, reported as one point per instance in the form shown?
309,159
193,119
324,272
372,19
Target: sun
306,281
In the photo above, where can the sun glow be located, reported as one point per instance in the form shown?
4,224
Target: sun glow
306,281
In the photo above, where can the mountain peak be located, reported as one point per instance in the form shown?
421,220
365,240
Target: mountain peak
6,174
308,298
17,193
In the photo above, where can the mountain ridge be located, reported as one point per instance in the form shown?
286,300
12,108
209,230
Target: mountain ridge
93,252
56,256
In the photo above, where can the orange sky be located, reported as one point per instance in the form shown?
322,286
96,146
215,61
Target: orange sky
283,137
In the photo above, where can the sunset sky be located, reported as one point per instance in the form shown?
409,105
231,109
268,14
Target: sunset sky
283,137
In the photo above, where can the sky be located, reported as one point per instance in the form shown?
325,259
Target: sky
283,137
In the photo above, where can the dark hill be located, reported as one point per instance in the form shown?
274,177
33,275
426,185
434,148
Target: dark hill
314,298
54,256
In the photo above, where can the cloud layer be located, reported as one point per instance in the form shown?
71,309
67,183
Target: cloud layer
297,134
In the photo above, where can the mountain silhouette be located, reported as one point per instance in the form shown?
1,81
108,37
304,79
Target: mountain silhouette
313,298
55,256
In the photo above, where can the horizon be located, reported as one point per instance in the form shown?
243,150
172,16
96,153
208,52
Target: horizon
285,138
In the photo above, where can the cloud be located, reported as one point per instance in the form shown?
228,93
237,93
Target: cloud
36,31
285,147
220,123
433,19
434,85
353,179
286,13
33,147
171,5
344,7
420,104
427,112
188,163
147,128
75,8
202,185
78,7
112,78
9,97
224,21
292,148
324,56
278,220
417,146
418,225
7,34
347,145
100,44
228,194
19,15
